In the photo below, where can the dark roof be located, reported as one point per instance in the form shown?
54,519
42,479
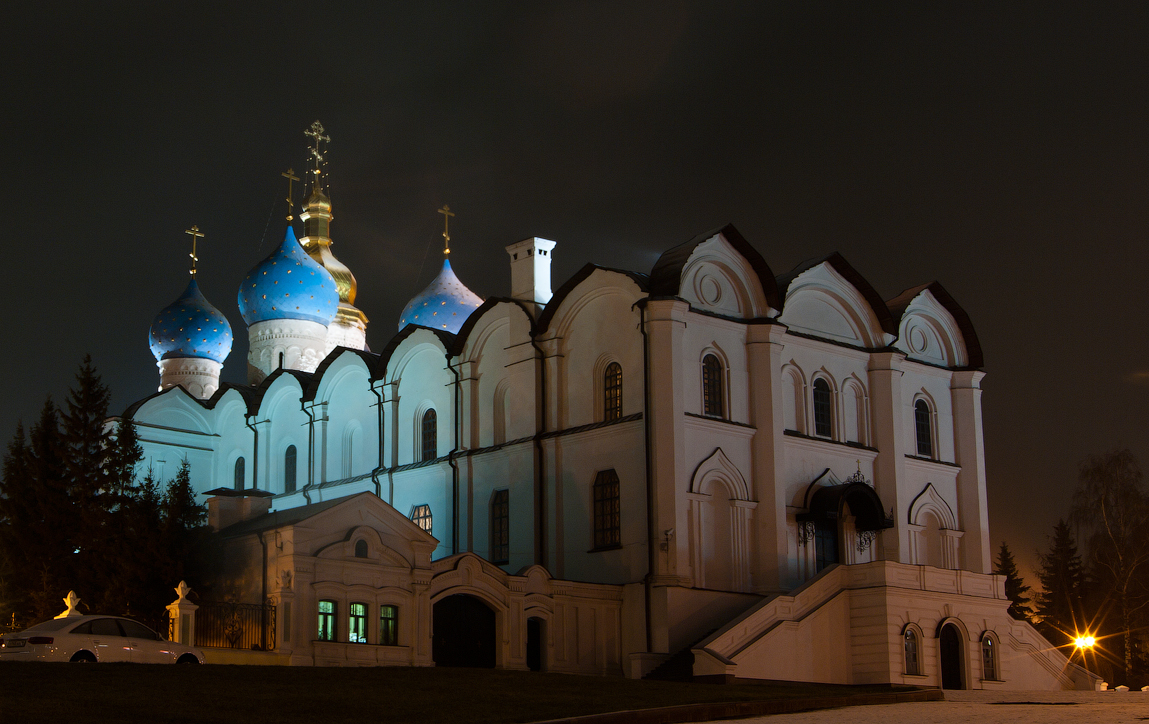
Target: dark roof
445,338
489,304
666,276
544,321
369,358
840,265
280,518
251,397
900,303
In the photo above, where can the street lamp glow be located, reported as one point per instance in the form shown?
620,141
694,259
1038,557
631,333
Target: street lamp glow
1084,642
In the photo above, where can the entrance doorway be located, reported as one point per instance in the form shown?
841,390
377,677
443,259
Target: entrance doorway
464,633
951,657
535,644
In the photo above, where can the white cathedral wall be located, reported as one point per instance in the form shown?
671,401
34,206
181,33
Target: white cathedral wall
424,382
351,420
430,485
287,424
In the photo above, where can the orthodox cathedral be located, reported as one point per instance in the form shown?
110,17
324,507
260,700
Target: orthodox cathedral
704,467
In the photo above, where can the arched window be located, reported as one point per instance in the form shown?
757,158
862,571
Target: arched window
280,360
988,658
421,515
612,392
924,428
289,458
713,395
607,521
500,526
913,660
430,436
360,549
823,409
239,474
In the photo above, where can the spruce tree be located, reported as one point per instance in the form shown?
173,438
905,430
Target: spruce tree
1059,604
1015,588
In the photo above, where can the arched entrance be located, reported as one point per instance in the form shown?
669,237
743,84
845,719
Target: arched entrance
950,641
464,633
535,644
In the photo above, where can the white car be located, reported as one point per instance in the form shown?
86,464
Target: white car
88,639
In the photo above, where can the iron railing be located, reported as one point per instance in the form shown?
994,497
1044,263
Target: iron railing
235,626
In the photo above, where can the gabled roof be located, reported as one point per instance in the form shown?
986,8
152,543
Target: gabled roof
280,518
900,303
369,358
666,276
544,320
840,265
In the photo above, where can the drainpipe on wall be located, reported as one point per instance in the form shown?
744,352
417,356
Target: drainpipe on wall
650,558
310,450
263,597
379,467
540,491
454,465
254,452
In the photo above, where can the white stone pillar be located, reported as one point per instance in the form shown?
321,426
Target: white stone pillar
969,451
182,612
771,570
889,426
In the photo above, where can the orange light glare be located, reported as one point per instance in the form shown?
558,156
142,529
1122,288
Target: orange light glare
1084,642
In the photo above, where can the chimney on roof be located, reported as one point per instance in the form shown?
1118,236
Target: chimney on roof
531,270
227,506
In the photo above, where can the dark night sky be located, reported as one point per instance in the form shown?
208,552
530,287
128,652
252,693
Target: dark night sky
999,148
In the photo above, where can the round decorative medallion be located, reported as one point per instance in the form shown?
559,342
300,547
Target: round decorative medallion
918,339
710,290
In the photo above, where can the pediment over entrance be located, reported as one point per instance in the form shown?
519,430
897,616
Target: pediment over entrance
828,500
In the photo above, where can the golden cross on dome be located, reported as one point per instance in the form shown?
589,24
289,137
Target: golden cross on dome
316,132
447,214
195,235
290,176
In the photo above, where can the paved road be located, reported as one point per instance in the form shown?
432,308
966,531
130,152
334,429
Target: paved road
984,707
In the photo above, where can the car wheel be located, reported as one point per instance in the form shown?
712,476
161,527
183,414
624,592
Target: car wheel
83,657
188,659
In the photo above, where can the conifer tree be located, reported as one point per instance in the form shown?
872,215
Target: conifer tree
1015,588
1059,604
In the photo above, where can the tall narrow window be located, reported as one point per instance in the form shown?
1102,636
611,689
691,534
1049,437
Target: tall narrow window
823,409
500,526
430,438
357,624
289,458
327,620
360,548
388,625
713,396
612,392
421,515
913,667
606,510
923,427
239,474
988,658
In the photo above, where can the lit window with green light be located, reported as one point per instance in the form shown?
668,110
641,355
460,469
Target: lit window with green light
357,624
327,620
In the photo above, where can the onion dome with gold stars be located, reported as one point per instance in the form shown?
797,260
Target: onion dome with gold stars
289,284
191,327
444,304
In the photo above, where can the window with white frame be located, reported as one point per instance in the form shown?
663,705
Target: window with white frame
924,428
357,623
326,621
823,409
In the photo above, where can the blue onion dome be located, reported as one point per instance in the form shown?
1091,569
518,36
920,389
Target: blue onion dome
444,304
289,284
191,327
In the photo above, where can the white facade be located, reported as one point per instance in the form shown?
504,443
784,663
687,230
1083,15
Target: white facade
696,448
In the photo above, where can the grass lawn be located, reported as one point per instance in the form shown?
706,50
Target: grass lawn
75,694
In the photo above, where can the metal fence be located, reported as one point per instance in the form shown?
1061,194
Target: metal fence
235,626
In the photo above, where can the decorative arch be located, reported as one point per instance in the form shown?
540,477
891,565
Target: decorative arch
793,398
934,329
855,411
500,418
934,530
352,442
829,300
719,279
720,513
953,665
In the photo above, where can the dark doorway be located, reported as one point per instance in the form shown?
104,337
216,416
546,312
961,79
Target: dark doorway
951,657
535,644
464,633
